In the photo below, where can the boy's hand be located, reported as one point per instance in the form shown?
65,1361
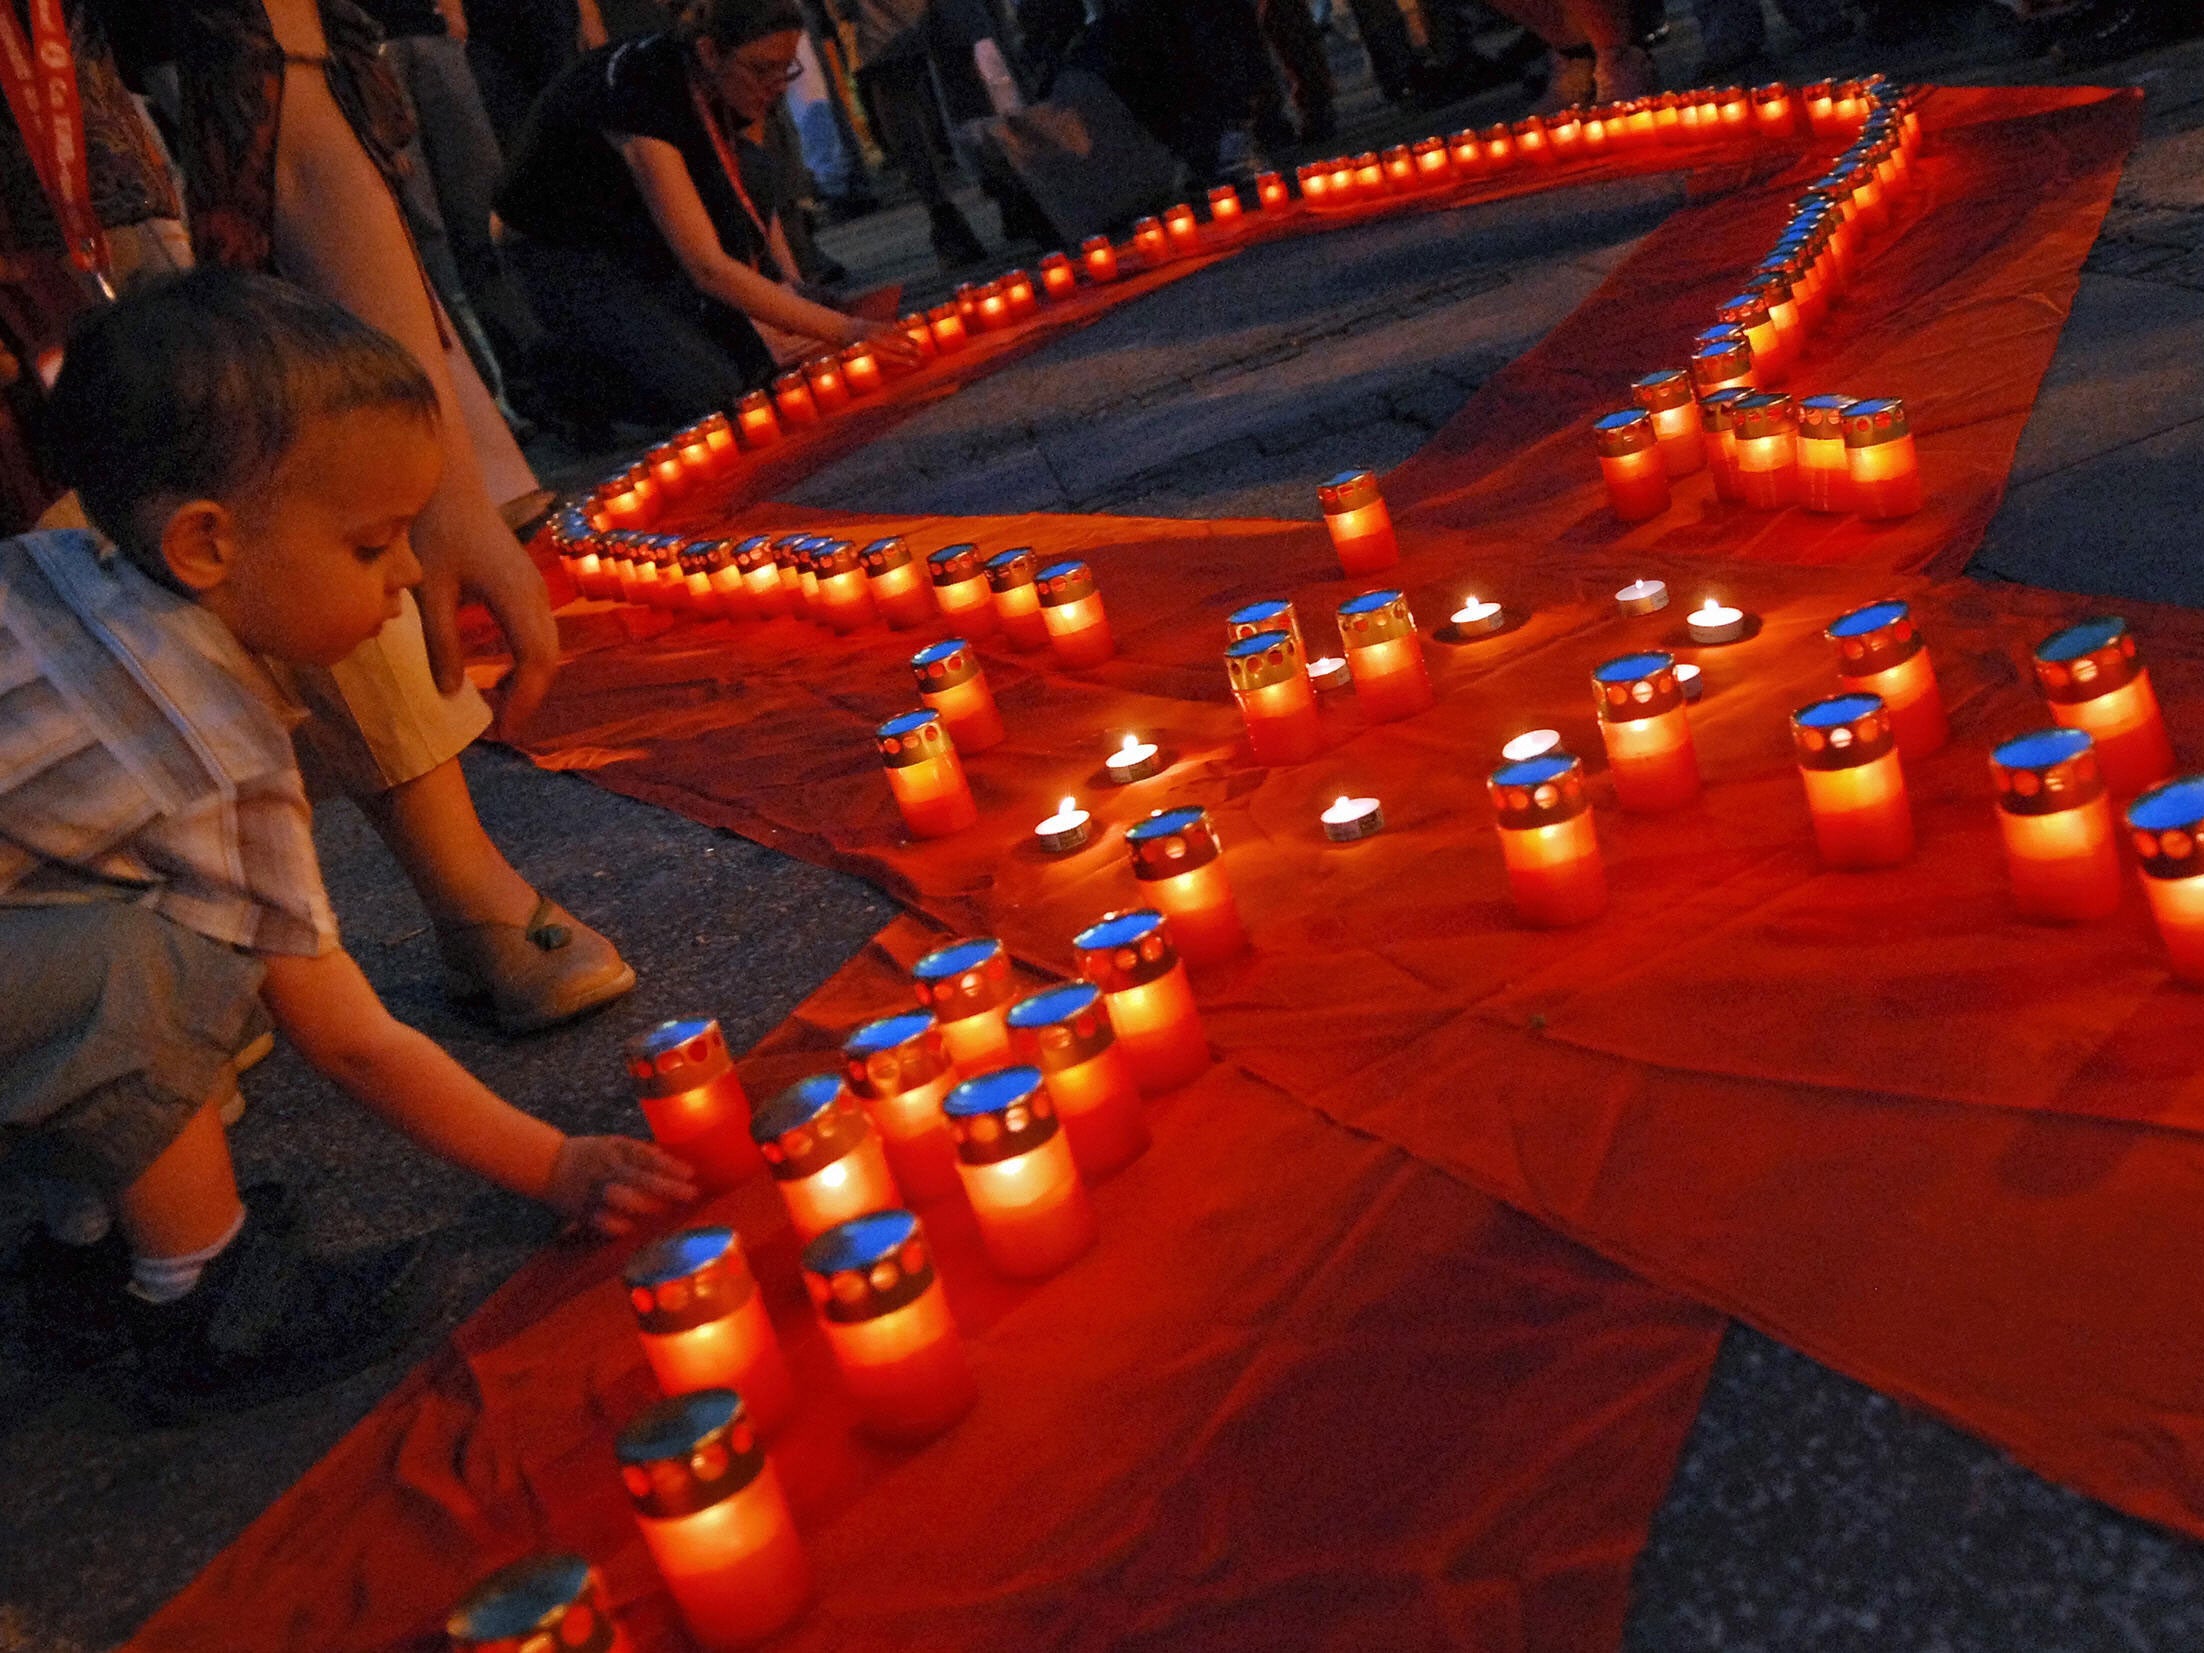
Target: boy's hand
607,1181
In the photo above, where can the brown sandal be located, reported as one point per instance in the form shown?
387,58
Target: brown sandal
534,975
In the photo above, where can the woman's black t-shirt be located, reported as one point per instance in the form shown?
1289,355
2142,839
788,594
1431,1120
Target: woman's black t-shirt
567,184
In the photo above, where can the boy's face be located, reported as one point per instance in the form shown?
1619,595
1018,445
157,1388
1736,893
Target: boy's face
311,566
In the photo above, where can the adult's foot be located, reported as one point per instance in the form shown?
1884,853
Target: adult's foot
1625,72
1570,81
535,975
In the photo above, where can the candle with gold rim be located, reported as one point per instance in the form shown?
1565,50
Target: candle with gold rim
968,987
1271,614
718,435
827,386
1880,651
1018,289
1668,118
1033,1212
1880,459
1647,735
793,399
1748,312
1555,876
844,599
1178,859
1466,151
714,1518
1224,206
1065,1032
1855,788
1718,421
669,587
1433,165
1058,279
1276,696
1565,132
1151,242
951,682
2093,680
538,1604
920,332
1497,142
1531,141
901,593
1129,955
2056,820
1016,598
1668,401
925,775
1385,655
824,1155
787,559
900,1069
760,572
1071,609
1631,462
960,589
693,1101
879,1300
1824,482
1270,191
1180,227
1723,364
946,323
668,472
2166,825
1360,526
1100,256
703,1323
1772,112
1767,450
993,308
861,374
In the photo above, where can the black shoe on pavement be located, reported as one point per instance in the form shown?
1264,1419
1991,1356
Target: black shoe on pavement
954,243
268,1320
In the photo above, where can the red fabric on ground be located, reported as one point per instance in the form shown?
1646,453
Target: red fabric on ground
1307,1392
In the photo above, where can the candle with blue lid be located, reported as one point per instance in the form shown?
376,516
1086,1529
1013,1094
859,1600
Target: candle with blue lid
925,775
2167,824
2056,820
693,1101
901,1070
951,682
1855,789
1880,651
2093,680
1065,1032
825,1156
1555,877
1385,655
879,1300
1647,735
960,589
1130,957
968,987
1178,859
1033,1212
901,591
703,1323
1017,599
1276,696
1071,609
539,1604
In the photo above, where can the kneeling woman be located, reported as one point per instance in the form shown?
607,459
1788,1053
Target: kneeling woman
643,215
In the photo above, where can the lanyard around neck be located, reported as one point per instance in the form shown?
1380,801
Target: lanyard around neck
709,115
40,77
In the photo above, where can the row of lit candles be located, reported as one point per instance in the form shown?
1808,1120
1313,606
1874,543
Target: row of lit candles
1017,1101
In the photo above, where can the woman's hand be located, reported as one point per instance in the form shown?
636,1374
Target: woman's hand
886,339
605,1182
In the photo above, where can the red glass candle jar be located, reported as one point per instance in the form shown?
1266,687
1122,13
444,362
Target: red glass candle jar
1867,195
1466,152
1855,788
1018,289
992,308
1339,183
1179,861
1648,737
1774,291
946,323
1314,177
1824,482
692,1100
617,548
1565,132
1270,191
926,775
1731,110
1791,262
1767,450
2093,680
540,1604
1065,1032
2166,824
920,332
1360,526
1433,165
1749,312
792,397
2056,819
670,584
1638,121
1718,422
901,1070
1130,957
1150,242
668,472
1667,400
1368,176
901,593
714,1518
788,560
1821,107
1033,1212
825,1156
1071,609
755,423
1181,229
1880,652
886,1318
968,987
1100,256
844,597
950,682
1270,680
861,374
1271,614
1773,115
1385,655
805,558
703,1323
1017,600
760,572
1498,145
1531,141
827,387
1555,877
1631,462
730,597
1224,206
960,589
1879,456
719,443
627,504
697,562
1058,279
1668,118
1723,365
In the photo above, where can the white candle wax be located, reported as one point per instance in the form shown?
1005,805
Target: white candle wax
1330,672
1532,743
1713,622
1135,760
1689,680
1474,616
1352,818
1642,597
1066,829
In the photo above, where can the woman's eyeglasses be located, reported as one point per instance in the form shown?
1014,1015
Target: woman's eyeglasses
770,74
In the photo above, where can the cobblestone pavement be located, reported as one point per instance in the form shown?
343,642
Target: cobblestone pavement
1809,1515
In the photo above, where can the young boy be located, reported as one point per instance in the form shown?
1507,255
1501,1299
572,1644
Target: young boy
256,456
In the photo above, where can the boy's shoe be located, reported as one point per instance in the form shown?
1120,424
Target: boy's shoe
533,975
267,1320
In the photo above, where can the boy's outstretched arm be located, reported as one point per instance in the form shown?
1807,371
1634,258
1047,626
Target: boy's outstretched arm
326,1007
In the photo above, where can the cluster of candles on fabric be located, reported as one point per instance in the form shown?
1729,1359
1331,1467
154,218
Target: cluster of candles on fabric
1828,453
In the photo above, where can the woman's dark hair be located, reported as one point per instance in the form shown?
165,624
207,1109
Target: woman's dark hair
731,23
195,388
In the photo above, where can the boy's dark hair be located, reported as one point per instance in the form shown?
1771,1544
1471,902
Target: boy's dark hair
195,388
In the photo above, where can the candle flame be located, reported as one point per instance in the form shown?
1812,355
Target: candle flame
1710,606
1132,744
1067,806
1340,803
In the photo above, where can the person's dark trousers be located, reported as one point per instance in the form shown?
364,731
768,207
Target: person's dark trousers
622,345
1392,54
906,119
1289,28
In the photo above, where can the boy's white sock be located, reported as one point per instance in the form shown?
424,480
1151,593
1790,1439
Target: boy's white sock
164,1279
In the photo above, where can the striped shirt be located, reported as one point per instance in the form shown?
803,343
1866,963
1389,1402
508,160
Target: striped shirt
146,755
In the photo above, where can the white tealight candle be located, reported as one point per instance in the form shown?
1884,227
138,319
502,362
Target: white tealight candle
1643,597
1474,619
1352,818
1066,829
1532,743
1712,622
1330,672
1136,760
1689,680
